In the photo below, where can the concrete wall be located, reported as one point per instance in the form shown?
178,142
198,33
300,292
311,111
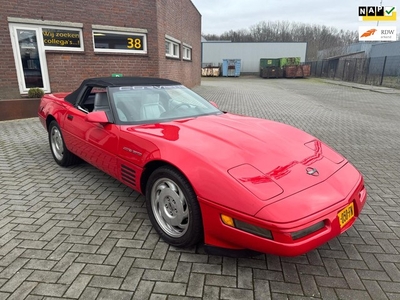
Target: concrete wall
250,53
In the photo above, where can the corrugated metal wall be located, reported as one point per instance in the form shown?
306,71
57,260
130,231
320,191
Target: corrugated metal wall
385,49
250,53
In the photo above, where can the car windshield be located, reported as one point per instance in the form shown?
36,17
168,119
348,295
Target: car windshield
153,104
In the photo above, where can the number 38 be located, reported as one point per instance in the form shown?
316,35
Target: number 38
134,43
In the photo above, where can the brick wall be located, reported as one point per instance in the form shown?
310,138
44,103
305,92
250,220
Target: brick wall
67,69
182,21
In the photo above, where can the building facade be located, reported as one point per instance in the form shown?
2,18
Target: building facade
214,52
56,44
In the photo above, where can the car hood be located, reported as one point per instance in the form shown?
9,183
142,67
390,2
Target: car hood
267,158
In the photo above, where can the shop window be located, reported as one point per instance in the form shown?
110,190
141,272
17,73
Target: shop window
119,42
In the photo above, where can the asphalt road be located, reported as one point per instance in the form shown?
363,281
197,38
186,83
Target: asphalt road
68,233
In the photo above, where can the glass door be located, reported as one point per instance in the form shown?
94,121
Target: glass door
30,58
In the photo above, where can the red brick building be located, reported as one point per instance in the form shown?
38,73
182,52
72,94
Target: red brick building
56,44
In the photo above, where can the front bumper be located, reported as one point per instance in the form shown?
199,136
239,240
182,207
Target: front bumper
217,234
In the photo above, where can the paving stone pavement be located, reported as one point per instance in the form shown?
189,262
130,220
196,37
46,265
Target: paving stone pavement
69,233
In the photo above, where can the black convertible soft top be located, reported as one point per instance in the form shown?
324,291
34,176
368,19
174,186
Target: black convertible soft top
116,81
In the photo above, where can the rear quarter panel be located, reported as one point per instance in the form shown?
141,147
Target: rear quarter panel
52,106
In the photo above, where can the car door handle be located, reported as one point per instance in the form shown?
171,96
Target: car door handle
69,117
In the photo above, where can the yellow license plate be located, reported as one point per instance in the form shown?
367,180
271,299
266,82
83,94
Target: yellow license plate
346,214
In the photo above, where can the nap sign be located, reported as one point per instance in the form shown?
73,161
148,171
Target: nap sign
377,13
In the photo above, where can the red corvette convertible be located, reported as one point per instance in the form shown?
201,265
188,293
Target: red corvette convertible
232,182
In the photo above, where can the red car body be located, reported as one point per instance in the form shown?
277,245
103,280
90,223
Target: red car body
263,175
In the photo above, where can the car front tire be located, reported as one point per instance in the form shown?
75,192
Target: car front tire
60,153
173,208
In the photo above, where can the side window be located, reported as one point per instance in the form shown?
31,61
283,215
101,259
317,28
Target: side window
88,102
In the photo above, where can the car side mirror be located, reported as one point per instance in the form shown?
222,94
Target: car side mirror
97,117
214,104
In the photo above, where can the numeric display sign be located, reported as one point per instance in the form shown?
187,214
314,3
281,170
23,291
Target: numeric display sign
120,42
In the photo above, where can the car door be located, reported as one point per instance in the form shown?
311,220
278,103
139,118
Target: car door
94,142
75,126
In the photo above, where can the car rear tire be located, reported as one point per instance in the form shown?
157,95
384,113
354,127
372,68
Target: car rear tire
173,208
60,153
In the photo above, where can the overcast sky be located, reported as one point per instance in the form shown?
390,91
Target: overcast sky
219,16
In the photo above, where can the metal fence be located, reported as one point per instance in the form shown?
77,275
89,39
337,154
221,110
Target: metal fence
383,71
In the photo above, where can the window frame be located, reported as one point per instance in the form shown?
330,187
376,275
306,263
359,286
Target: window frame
174,44
187,49
122,33
23,89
